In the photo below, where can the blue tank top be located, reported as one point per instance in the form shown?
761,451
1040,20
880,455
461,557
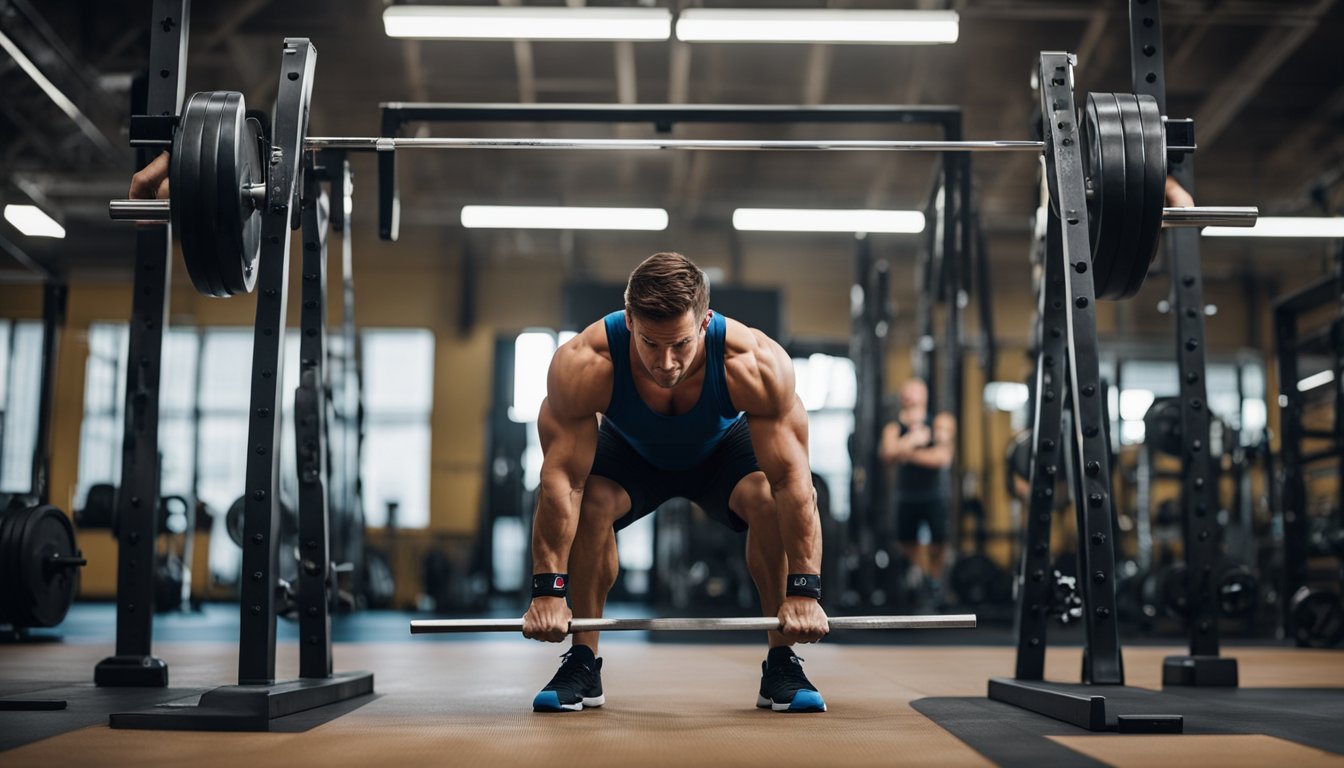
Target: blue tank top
670,442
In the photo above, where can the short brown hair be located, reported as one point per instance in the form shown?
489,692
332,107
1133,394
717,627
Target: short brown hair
664,286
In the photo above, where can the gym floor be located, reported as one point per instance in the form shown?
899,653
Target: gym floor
667,704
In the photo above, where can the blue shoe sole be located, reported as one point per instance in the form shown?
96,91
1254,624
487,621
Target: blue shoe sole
807,701
549,701
803,701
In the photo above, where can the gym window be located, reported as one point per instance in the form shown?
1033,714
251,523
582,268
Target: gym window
398,367
1235,394
105,402
829,389
20,382
204,390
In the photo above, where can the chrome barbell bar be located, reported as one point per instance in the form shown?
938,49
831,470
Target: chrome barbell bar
388,144
764,623
158,210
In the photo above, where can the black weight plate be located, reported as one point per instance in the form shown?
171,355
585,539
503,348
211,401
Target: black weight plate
1132,130
233,520
1103,151
168,577
185,187
48,590
8,582
1318,618
1238,590
1162,425
1175,591
1017,462
211,228
248,171
1154,193
11,554
973,579
100,506
1129,595
236,147
21,599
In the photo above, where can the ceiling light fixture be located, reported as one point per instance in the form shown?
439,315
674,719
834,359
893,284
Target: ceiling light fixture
813,220
816,25
526,23
32,221
562,217
1285,226
1316,380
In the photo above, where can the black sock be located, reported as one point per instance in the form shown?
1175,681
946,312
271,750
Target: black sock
780,654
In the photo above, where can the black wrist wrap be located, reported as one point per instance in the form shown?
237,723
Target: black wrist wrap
550,584
804,585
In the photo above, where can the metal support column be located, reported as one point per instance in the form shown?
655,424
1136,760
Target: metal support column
1035,589
138,492
310,439
1199,505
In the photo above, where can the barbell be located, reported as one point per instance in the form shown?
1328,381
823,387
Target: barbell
219,182
762,623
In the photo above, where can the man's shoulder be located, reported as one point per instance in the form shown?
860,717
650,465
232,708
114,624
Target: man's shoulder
742,339
589,351
581,370
759,372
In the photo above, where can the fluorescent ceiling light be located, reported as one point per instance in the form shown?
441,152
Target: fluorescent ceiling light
31,221
521,23
1316,380
810,220
816,25
1285,226
561,217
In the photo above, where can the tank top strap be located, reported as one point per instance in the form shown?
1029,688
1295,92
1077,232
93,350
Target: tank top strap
618,341
716,376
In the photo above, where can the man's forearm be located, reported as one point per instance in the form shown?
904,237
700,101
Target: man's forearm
930,458
553,528
799,525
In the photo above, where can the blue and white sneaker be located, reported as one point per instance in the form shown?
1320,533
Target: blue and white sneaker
784,687
576,685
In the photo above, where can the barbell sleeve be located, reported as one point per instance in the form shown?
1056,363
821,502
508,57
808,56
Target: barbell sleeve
1209,217
138,210
763,623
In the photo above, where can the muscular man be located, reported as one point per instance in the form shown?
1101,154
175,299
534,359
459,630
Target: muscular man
668,398
922,454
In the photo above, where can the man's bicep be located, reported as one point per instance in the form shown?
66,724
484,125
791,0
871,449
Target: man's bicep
568,444
780,443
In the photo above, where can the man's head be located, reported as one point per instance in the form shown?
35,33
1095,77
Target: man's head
667,311
915,394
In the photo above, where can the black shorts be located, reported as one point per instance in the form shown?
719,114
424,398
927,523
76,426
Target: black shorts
909,515
708,484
